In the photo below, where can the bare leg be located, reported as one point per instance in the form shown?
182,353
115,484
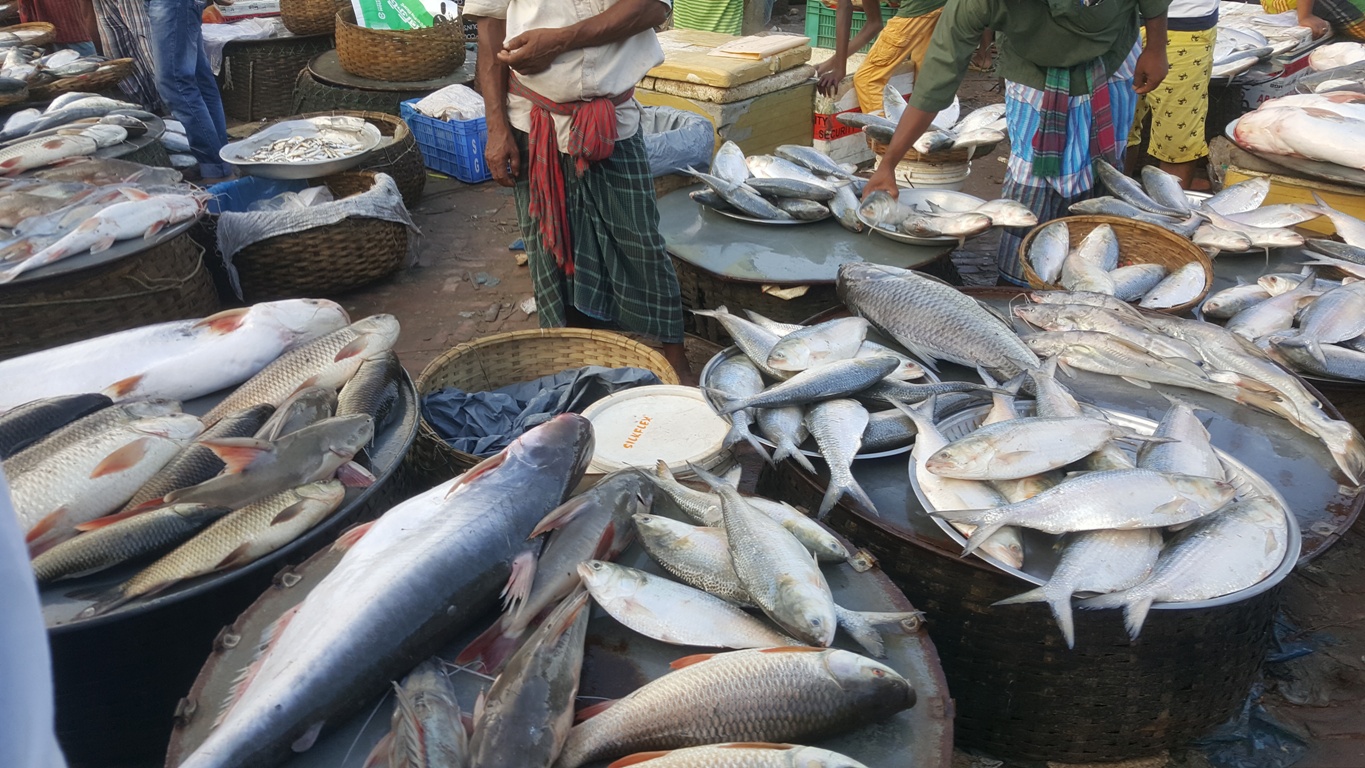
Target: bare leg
1132,158
676,356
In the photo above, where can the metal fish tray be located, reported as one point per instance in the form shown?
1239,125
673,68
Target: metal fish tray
616,662
238,153
766,222
919,199
1040,553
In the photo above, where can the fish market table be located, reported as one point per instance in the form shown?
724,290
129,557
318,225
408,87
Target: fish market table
785,272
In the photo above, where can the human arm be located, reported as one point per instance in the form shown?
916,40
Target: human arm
501,153
1308,19
1151,66
914,122
833,70
534,50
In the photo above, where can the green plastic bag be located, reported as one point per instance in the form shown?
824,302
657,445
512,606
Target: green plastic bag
395,14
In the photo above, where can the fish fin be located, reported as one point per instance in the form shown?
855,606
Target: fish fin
269,635
224,322
134,194
474,472
308,739
1031,596
1135,615
688,661
289,513
105,601
124,458
596,709
561,516
1146,439
239,556
727,403
519,583
759,448
352,536
862,631
1136,382
121,388
107,520
379,756
352,475
732,476
102,244
45,526
489,650
355,347
156,227
639,757
467,722
238,453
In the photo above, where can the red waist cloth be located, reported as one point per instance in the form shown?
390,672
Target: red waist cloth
72,18
592,139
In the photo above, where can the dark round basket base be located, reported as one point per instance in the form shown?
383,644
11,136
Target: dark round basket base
298,261
258,75
1021,693
705,290
313,95
166,282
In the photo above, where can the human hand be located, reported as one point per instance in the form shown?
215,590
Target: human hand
533,51
1150,70
1317,25
502,155
882,180
831,73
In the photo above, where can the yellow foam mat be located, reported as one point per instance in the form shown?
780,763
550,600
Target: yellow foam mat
1284,189
686,59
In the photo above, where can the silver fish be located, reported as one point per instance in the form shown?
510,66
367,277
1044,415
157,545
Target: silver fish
1133,282
935,140
1335,316
1276,216
1342,251
1180,287
958,225
709,198
741,197
1274,314
1004,212
785,428
782,188
1102,353
981,117
887,430
1021,447
698,556
1310,355
981,137
1260,237
306,407
1239,198
1189,453
1218,240
748,755
729,164
884,211
772,167
838,426
838,339
1228,302
1165,189
752,339
1128,190
802,209
1348,227
812,159
737,377
893,103
909,369
844,206
1112,206
875,126
827,382
1076,317
1049,250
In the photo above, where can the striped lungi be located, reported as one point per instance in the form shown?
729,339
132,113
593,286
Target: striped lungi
1050,197
622,272
125,32
1347,17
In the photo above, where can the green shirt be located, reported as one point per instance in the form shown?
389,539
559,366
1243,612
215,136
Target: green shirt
1032,37
911,8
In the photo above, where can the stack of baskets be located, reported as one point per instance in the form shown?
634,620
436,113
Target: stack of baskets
309,17
496,361
325,260
257,79
399,56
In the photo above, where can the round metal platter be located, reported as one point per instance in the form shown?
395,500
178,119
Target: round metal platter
807,447
1040,550
119,250
238,153
765,222
1297,464
919,199
1339,174
616,662
393,435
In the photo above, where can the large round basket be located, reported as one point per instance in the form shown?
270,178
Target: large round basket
508,358
166,282
326,260
309,17
1139,243
314,95
39,33
109,75
401,158
257,79
399,55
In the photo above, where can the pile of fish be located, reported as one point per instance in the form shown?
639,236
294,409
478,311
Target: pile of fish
1231,221
942,215
796,184
34,66
1059,469
394,597
1336,56
138,477
1247,34
1093,266
796,382
984,127
1324,127
305,149
75,111
1348,78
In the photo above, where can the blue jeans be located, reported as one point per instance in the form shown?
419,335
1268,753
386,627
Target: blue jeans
186,82
84,49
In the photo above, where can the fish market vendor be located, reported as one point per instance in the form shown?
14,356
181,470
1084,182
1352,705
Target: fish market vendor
1346,17
558,80
1073,71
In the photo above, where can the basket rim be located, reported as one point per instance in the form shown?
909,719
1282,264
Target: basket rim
399,125
1196,253
346,20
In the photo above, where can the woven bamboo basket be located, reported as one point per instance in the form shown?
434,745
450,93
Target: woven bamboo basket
109,75
314,95
516,356
166,282
152,153
258,75
309,17
401,159
1139,243
398,56
1019,691
46,32
326,260
951,156
18,97
9,13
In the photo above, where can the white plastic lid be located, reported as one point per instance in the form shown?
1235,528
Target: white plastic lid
637,427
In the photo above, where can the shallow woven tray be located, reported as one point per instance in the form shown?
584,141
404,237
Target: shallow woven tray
314,95
401,159
166,282
309,17
257,79
398,55
326,260
1139,243
1020,692
495,361
109,75
49,32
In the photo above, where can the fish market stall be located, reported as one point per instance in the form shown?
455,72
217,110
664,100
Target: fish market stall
174,532
324,85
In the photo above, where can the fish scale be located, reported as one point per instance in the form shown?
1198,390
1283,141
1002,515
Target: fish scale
748,756
737,377
827,382
698,556
150,532
373,390
83,429
31,422
197,463
838,426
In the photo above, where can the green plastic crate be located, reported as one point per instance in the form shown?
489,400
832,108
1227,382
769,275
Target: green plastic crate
820,24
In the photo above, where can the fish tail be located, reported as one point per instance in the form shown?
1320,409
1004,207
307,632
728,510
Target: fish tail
800,458
1061,612
1031,596
727,404
1135,614
490,650
862,631
758,447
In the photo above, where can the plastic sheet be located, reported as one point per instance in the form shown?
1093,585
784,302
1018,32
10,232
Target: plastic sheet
483,423
675,139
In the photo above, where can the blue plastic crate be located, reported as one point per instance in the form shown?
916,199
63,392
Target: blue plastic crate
453,147
237,195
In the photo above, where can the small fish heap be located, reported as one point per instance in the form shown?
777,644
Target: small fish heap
940,215
104,479
797,382
305,149
1325,127
795,184
1248,35
1094,266
980,130
31,65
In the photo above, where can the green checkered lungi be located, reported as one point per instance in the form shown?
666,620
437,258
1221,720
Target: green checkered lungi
622,272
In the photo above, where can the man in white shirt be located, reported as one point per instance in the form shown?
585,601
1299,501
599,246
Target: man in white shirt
558,78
